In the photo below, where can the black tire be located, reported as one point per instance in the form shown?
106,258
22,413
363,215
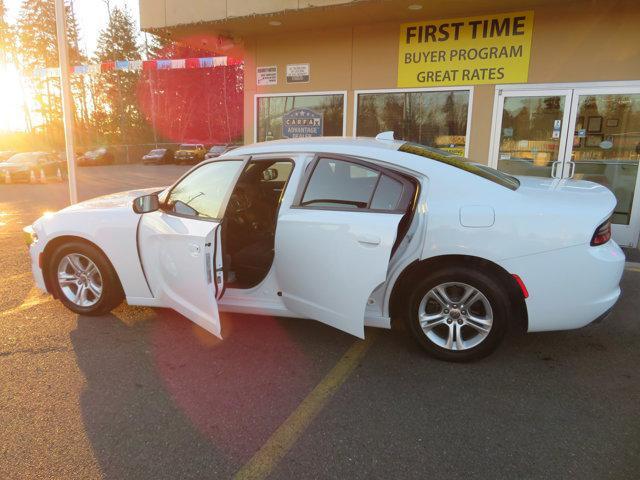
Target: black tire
112,293
493,291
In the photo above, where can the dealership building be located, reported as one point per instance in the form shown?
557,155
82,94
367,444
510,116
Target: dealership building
532,87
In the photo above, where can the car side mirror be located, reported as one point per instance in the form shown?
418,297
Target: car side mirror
146,203
270,174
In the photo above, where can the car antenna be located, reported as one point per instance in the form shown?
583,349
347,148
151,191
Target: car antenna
386,136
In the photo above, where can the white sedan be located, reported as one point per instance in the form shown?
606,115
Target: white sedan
348,232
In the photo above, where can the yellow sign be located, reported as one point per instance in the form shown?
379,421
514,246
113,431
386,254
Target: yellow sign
466,51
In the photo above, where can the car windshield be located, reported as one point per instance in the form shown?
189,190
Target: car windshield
217,148
188,147
462,163
157,152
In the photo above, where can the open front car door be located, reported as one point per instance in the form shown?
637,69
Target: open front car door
180,244
179,256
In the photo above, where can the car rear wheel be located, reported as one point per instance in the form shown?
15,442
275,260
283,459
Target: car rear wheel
457,314
84,280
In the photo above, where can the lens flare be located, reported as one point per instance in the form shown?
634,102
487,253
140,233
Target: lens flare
11,99
195,105
248,382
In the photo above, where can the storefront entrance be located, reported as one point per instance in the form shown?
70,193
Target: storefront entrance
589,132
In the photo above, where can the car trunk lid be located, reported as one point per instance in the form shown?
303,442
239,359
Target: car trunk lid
586,204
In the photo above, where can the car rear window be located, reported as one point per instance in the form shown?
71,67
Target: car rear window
462,163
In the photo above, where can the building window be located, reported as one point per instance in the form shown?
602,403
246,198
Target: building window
299,115
434,118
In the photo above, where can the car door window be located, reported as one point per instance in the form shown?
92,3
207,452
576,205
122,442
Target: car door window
202,193
342,184
388,194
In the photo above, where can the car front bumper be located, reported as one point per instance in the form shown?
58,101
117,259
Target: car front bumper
186,158
35,253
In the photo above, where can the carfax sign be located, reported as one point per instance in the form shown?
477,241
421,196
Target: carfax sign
466,51
302,122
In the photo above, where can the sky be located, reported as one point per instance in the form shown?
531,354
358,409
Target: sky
91,15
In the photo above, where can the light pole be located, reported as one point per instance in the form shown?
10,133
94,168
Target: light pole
67,100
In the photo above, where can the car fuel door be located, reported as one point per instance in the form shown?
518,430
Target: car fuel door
182,261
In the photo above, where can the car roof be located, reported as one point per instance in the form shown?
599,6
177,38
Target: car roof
311,144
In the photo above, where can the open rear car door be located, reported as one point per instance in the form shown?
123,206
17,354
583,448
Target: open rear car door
331,262
330,256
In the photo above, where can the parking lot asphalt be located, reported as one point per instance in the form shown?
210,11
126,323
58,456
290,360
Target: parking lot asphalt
143,393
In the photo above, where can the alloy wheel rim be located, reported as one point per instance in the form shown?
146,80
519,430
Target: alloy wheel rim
80,280
455,316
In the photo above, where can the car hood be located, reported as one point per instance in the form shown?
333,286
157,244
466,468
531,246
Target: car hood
114,200
110,215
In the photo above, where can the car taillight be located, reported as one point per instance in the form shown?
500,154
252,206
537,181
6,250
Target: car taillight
602,234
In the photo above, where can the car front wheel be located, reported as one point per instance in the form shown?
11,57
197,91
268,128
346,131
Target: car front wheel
458,314
84,280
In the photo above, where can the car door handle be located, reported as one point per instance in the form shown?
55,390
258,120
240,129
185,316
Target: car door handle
368,239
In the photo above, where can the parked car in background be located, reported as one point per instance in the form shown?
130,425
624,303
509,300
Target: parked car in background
30,166
99,156
190,153
217,150
348,232
6,155
158,156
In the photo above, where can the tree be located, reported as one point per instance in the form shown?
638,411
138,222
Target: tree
200,105
159,46
6,35
39,49
116,99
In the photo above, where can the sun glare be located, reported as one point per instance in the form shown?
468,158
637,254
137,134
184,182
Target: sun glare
11,100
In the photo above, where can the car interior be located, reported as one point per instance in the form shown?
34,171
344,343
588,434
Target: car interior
250,221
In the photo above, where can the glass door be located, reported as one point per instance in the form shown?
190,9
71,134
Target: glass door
605,148
531,132
582,133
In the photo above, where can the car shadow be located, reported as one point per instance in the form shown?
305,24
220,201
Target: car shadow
165,399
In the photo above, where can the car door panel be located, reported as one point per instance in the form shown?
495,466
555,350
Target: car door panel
178,256
328,262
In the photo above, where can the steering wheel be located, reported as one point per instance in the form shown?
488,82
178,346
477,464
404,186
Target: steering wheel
239,203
